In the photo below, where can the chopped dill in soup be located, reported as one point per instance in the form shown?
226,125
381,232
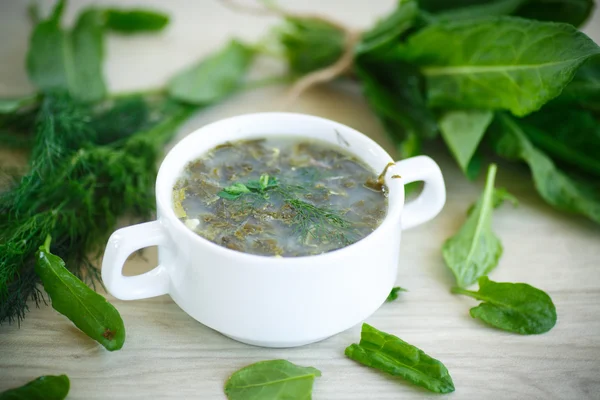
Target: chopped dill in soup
280,197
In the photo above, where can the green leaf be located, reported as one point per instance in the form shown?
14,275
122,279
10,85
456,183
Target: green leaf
68,61
391,354
8,106
394,293
584,89
214,77
496,63
272,380
234,191
388,30
88,310
474,251
310,44
49,387
87,53
569,135
555,187
462,131
133,21
513,307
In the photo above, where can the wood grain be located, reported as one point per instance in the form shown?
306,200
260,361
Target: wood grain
168,355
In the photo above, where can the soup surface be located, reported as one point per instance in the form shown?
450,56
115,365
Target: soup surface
280,197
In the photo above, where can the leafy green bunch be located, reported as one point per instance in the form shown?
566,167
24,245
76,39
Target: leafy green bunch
93,155
512,77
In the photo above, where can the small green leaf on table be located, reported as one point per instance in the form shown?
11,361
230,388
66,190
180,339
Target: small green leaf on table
49,387
88,310
391,354
272,380
513,307
475,250
394,293
214,77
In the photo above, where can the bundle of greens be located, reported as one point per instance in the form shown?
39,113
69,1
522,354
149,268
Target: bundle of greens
93,156
513,76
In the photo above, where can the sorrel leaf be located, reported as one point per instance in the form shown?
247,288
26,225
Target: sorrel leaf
394,356
88,310
475,250
214,77
497,63
271,380
49,387
132,21
513,307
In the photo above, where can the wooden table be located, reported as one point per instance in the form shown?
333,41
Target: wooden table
168,355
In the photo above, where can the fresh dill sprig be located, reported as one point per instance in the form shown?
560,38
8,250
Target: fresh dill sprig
83,176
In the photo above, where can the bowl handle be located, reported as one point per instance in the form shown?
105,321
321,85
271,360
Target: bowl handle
431,201
123,243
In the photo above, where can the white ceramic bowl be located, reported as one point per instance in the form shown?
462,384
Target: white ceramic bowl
267,301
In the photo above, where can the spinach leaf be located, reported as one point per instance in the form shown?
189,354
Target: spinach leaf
49,387
391,354
496,63
213,78
70,61
310,44
555,187
88,310
8,106
271,380
394,293
462,131
393,92
388,30
475,250
571,136
513,307
133,21
584,89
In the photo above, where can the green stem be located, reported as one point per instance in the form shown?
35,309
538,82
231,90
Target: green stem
458,290
47,243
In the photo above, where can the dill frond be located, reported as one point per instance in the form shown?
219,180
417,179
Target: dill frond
82,177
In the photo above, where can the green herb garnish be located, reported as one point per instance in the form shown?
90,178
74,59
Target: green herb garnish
394,356
271,380
394,293
513,307
49,387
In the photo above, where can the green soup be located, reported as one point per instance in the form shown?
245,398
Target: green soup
280,197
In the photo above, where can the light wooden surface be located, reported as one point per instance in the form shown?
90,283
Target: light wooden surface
168,355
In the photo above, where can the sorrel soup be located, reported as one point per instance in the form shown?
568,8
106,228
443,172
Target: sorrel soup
280,197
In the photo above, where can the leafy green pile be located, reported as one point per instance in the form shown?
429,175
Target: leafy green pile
93,156
514,77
